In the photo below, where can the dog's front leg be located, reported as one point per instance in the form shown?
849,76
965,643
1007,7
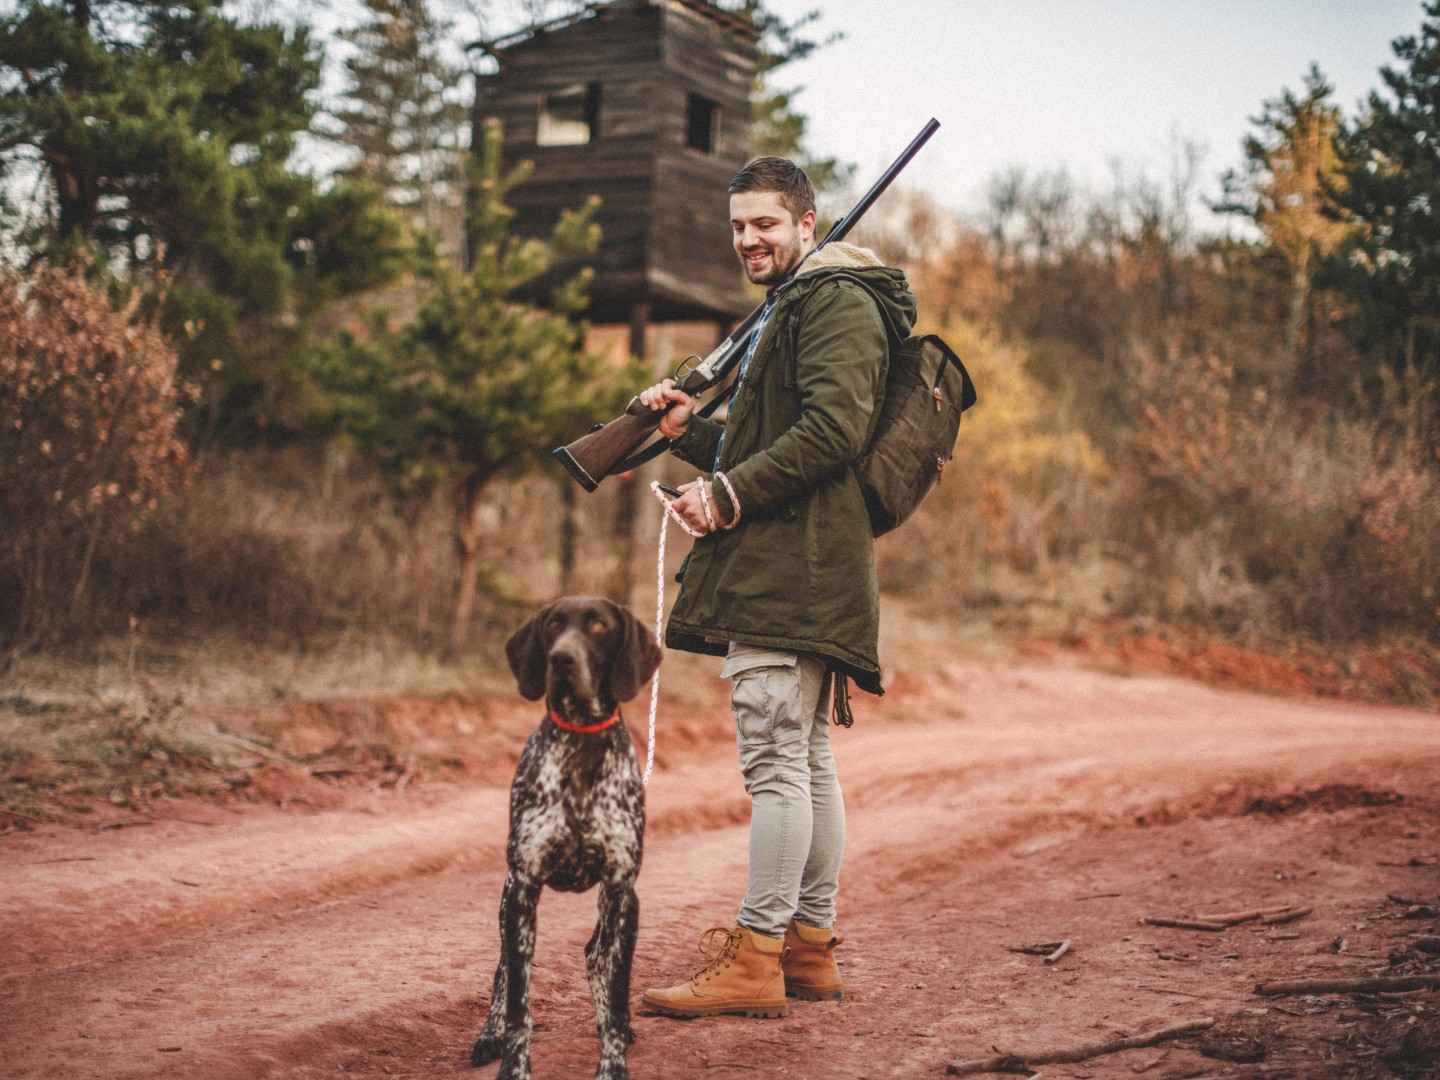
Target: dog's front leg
508,1027
490,1045
607,963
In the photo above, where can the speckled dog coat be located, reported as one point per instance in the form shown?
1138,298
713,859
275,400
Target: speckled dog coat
577,818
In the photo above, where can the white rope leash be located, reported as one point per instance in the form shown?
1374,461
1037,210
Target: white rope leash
671,514
666,515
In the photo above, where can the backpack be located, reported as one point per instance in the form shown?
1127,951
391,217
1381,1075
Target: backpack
914,433
926,390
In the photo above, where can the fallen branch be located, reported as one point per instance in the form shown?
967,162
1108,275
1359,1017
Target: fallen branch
1288,916
1349,986
1234,918
1167,990
1040,948
1061,951
1012,1063
1182,924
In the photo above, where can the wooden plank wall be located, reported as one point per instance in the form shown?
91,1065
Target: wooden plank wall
663,204
690,226
621,50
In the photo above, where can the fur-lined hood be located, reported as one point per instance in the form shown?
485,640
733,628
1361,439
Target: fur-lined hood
840,256
886,284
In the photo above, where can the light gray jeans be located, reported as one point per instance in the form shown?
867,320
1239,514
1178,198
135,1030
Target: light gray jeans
797,812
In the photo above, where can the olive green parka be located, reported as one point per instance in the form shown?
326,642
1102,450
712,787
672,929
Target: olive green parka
798,572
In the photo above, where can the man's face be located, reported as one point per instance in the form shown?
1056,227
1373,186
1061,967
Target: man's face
766,236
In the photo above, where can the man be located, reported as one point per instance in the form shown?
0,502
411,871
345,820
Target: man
782,583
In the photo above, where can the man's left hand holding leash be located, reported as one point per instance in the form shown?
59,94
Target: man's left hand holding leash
673,424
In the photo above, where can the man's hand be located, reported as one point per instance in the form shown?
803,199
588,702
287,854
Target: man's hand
665,395
688,507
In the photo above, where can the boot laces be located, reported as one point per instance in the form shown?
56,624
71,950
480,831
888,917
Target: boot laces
718,946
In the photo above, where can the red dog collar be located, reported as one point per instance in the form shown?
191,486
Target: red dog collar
584,729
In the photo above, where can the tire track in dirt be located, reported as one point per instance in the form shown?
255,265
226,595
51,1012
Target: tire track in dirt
944,818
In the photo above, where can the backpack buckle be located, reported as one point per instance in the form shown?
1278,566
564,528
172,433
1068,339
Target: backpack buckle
939,469
938,396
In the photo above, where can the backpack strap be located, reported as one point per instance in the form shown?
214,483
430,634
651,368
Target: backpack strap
891,330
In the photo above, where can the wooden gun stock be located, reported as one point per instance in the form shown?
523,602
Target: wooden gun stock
591,458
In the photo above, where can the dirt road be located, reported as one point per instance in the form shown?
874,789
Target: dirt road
990,805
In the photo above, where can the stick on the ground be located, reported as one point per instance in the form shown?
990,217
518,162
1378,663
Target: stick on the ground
1182,924
1024,1062
1041,948
1234,918
1287,916
1061,951
1349,986
1166,990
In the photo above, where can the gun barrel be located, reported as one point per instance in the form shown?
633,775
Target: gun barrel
841,228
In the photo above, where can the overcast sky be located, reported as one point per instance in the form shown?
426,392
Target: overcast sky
1072,82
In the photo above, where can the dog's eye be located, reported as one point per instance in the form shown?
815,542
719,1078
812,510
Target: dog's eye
597,626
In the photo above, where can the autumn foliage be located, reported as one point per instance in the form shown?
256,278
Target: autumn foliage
89,445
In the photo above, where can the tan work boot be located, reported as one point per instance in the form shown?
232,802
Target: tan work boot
743,976
809,965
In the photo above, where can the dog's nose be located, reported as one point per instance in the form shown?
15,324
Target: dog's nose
563,661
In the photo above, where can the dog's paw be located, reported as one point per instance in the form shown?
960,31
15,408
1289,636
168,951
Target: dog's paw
487,1048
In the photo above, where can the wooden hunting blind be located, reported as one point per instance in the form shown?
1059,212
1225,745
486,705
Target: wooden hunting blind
645,103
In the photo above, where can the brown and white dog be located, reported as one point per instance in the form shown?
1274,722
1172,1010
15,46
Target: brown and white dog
577,818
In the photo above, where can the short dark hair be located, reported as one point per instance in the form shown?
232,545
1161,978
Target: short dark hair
780,175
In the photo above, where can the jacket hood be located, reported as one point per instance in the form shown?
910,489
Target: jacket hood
887,284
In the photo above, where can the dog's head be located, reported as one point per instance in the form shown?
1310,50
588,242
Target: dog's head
583,653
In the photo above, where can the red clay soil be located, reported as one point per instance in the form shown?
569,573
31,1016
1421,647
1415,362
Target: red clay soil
1395,673
990,807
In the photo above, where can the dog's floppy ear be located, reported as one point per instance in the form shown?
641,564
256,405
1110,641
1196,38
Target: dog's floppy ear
526,652
636,658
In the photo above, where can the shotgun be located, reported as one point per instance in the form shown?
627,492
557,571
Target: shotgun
610,448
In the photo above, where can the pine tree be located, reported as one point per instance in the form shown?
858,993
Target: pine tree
164,130
1285,187
479,383
1391,172
407,132
776,127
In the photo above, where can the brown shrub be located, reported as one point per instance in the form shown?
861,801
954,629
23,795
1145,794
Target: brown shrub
1248,515
89,406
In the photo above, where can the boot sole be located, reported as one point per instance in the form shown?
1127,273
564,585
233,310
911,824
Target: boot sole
759,1010
805,993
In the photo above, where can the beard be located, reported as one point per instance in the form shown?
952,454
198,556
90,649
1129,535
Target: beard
773,264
